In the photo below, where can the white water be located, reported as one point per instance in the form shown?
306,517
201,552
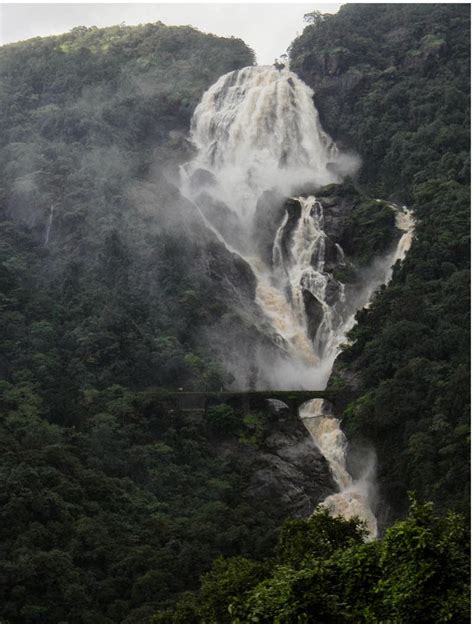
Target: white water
254,130
257,129
353,497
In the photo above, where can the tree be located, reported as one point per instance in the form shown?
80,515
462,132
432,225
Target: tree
314,17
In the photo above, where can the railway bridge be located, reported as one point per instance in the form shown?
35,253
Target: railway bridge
254,400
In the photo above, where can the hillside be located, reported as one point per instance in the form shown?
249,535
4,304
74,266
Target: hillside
114,499
124,290
393,83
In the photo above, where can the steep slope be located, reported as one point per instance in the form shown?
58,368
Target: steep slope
113,499
392,82
92,122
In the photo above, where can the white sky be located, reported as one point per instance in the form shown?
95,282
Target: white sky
267,28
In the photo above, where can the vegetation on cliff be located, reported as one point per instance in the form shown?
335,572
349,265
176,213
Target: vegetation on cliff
110,519
392,82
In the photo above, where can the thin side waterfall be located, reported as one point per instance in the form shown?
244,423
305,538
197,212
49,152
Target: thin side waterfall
256,130
48,225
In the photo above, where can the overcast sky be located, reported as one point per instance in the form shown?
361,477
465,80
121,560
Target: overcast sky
267,28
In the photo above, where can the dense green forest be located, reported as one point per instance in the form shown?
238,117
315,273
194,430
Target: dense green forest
85,117
393,83
322,571
114,501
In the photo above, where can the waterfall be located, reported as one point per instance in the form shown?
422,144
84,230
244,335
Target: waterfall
353,497
48,225
256,130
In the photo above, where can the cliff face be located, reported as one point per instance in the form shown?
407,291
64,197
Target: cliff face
370,67
287,467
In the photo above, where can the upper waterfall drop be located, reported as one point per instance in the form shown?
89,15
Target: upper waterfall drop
256,129
256,132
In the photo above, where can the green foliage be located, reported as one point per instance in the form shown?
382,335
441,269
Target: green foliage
223,419
113,500
318,537
393,83
119,294
110,519
323,572
370,230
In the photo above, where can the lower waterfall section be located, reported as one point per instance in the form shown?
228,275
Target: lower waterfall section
353,497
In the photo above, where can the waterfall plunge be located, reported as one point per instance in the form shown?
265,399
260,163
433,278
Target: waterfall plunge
254,130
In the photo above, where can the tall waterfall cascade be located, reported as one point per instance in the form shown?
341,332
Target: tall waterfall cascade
256,131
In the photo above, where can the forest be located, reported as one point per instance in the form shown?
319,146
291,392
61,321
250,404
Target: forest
116,504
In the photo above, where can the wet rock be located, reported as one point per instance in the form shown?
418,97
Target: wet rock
292,470
332,257
336,213
267,219
234,274
293,208
221,217
314,313
332,293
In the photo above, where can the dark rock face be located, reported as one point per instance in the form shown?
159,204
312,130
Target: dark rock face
233,275
332,256
314,313
268,216
293,208
290,468
221,217
232,271
336,211
332,291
